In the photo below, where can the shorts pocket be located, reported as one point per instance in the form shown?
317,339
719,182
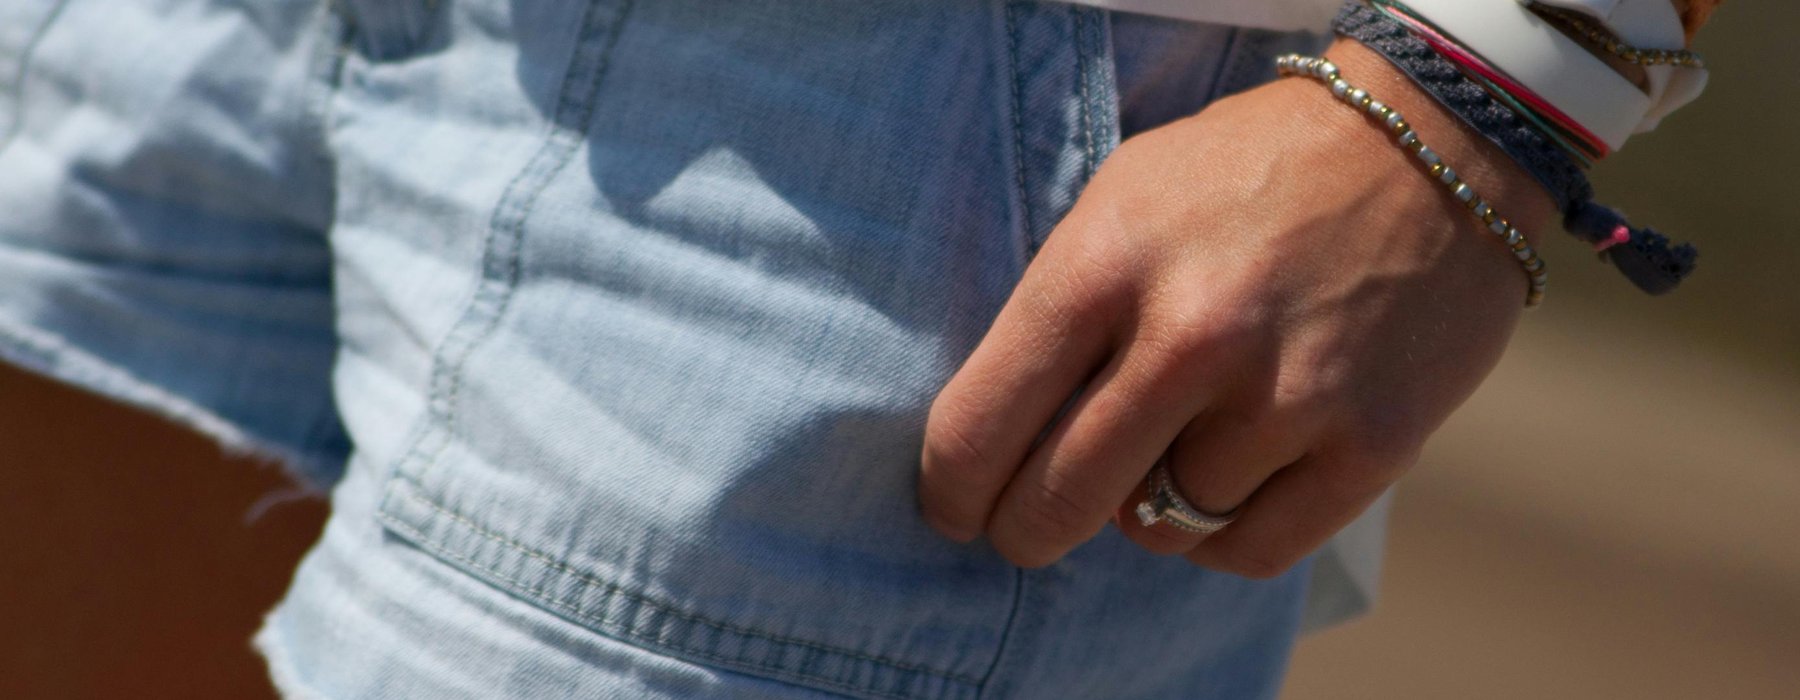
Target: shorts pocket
683,405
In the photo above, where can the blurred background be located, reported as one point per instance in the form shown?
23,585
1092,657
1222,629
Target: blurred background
1615,514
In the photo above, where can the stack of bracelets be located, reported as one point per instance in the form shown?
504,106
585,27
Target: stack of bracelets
1554,148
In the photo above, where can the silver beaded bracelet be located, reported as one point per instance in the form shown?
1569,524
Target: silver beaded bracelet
1326,72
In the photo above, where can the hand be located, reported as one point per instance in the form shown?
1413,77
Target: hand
1272,293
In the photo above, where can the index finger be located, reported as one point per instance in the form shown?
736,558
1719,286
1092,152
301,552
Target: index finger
1043,345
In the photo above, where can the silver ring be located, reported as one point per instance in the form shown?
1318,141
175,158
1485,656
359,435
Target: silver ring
1165,504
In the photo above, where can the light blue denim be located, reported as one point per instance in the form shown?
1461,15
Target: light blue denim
611,324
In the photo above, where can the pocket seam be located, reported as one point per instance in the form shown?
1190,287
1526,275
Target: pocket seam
506,229
1023,192
628,632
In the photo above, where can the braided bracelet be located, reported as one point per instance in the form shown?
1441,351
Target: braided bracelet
1579,143
1547,162
1647,258
1326,72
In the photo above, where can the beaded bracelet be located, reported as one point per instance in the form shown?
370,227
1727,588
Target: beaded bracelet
1326,72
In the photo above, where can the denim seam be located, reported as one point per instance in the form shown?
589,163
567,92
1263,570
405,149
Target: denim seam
1018,124
326,69
1106,103
1083,65
1006,632
508,220
542,596
612,588
15,125
558,565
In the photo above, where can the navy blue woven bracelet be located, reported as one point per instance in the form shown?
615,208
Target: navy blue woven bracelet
1642,255
1440,78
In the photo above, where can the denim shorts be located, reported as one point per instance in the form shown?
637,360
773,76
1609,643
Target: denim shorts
612,325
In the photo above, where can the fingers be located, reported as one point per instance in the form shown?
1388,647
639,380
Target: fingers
1295,511
1072,483
1217,462
1044,343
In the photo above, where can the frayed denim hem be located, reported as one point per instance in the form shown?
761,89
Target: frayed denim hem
281,668
46,354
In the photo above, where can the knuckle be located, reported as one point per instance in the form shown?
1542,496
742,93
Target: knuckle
1069,298
1056,513
1304,396
949,445
1244,424
1197,336
1089,267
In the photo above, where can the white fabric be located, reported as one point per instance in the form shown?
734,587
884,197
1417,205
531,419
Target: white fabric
1647,24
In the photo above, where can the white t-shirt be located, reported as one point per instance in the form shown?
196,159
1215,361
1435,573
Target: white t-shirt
1313,15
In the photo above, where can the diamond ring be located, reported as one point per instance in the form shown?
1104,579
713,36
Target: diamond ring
1165,504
